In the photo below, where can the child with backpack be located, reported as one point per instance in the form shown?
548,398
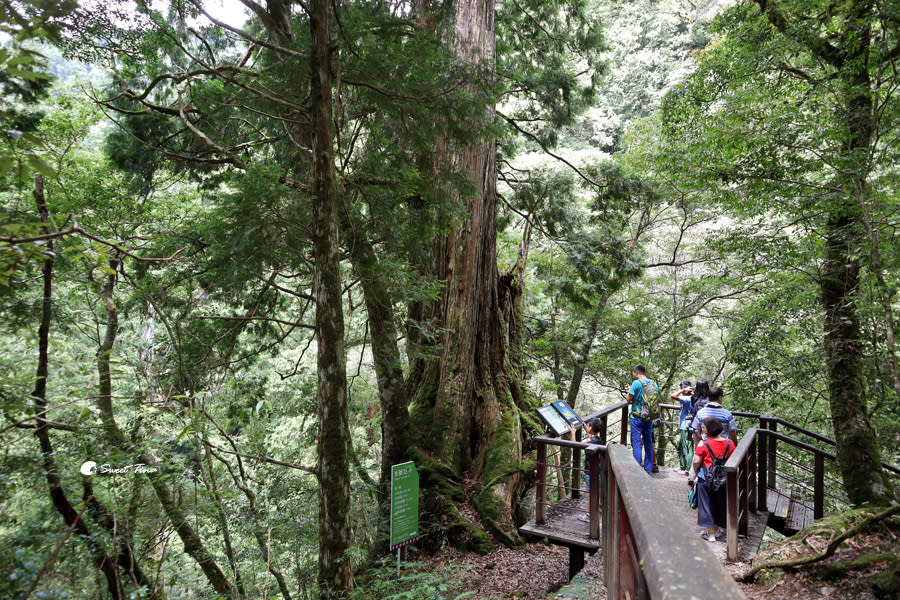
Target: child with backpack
709,466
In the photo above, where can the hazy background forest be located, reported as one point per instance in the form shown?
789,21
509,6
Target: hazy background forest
268,260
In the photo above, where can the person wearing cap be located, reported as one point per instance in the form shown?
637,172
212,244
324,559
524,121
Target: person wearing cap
714,409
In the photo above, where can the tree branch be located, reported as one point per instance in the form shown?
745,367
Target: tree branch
76,229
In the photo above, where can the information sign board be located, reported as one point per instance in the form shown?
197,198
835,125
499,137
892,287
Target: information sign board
553,419
404,504
568,414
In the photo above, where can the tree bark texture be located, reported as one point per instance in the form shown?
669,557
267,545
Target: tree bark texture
858,455
334,575
392,391
466,400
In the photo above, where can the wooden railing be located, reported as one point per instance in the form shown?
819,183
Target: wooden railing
744,490
648,549
751,469
595,455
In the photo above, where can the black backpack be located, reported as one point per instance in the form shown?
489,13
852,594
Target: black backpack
716,476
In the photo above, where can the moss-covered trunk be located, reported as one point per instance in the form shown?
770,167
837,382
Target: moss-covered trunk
858,455
852,56
466,402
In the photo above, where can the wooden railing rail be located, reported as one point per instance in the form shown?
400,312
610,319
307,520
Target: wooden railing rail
751,473
605,414
771,424
767,467
649,552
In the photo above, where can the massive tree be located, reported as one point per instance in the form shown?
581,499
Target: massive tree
795,102
469,408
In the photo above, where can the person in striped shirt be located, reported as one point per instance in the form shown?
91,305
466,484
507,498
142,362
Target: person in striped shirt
714,409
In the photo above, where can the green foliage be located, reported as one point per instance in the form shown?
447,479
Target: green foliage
548,63
780,120
696,249
413,582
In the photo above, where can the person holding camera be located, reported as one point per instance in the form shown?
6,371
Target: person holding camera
685,439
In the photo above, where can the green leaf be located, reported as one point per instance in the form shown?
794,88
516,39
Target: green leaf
28,75
40,166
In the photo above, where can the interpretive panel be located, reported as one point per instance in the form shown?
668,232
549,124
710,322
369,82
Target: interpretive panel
567,413
553,419
404,504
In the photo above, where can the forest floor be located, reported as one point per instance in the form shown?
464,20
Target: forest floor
539,570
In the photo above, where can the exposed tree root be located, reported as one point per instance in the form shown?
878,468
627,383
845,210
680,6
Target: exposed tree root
833,545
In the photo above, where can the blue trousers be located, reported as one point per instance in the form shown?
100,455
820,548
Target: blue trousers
642,440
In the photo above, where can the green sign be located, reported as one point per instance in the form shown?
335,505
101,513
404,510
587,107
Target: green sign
404,504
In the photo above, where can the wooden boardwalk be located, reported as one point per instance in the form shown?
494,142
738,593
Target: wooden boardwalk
788,514
672,486
563,527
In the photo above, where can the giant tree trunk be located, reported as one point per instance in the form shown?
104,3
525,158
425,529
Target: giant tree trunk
465,403
392,391
333,410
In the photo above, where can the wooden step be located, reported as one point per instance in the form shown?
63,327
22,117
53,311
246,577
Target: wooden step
779,503
800,515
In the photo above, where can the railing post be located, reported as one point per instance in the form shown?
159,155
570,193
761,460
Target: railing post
762,498
773,441
626,425
659,453
612,514
731,532
540,494
575,484
604,427
594,494
752,499
743,477
819,487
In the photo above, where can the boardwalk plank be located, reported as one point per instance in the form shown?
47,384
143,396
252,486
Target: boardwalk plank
780,502
562,525
800,515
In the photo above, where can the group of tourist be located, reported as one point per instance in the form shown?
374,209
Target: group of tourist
708,435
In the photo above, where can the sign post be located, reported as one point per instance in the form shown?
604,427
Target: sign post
404,506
